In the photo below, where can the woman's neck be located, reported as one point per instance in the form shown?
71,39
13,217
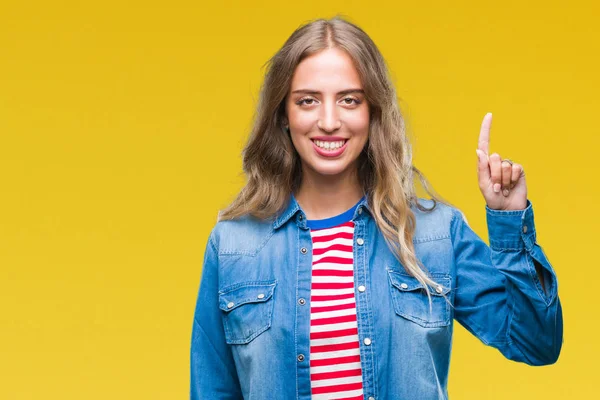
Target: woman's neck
325,196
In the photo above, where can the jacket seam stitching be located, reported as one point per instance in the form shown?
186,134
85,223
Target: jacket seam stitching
245,252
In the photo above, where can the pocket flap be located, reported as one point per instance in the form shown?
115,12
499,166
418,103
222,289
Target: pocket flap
248,292
407,283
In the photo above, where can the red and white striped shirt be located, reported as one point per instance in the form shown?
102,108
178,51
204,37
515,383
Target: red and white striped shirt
335,369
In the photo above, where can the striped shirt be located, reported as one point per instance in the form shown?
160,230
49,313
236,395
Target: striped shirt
335,368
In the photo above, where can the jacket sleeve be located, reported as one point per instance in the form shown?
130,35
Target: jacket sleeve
499,297
213,373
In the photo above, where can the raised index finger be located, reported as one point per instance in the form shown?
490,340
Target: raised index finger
484,134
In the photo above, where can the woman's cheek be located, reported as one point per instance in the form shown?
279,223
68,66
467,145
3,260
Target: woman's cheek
302,124
360,121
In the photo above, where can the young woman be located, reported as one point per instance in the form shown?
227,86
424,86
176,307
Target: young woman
327,277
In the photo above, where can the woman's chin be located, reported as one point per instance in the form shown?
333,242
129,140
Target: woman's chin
330,168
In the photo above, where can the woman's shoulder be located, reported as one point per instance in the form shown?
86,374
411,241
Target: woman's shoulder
434,219
433,209
243,235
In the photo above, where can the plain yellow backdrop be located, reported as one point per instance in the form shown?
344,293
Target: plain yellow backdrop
121,127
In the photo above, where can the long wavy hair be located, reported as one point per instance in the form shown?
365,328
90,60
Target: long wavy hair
272,164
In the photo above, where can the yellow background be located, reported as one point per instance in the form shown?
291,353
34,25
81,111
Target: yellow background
121,126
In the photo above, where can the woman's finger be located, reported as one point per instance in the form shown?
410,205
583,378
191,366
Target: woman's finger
506,177
483,169
484,134
517,169
496,172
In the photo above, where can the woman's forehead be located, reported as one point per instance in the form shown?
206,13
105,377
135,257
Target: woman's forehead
328,70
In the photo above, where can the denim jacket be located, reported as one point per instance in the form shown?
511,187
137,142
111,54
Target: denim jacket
250,336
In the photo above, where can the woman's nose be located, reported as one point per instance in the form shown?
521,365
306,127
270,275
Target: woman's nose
329,120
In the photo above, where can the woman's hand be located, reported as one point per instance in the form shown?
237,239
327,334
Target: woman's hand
502,184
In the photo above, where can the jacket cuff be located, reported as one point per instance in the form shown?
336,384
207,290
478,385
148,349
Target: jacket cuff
512,229
515,230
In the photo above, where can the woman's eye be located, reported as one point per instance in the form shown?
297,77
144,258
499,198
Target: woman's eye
307,101
351,99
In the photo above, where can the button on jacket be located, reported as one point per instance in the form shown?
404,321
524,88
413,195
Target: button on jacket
250,336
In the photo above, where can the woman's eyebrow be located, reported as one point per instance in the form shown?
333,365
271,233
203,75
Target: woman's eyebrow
347,91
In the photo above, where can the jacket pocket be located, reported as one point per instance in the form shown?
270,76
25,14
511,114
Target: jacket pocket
247,310
411,302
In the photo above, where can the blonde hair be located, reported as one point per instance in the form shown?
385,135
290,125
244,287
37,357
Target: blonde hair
385,169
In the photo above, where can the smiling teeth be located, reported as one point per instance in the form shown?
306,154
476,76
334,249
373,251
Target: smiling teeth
329,145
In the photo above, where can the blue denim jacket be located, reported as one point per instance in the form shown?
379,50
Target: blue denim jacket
250,337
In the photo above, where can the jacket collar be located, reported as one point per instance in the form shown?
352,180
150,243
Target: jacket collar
293,207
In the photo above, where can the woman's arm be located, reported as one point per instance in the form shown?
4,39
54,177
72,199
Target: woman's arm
499,295
213,373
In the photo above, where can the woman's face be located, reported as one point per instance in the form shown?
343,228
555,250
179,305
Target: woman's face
327,113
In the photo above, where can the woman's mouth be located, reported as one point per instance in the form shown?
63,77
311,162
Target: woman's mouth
329,148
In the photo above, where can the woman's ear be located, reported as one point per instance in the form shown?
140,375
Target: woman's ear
286,124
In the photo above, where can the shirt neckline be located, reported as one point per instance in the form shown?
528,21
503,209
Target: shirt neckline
335,220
